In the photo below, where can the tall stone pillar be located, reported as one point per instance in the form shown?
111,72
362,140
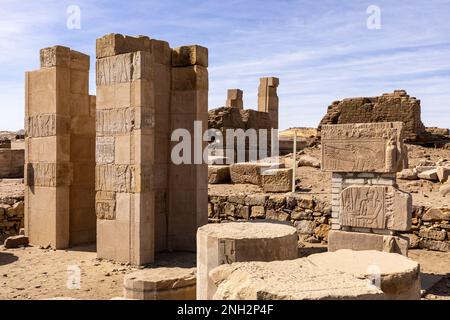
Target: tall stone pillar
59,151
268,98
234,99
188,196
126,176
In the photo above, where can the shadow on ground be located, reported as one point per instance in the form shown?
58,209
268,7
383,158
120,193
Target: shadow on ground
7,258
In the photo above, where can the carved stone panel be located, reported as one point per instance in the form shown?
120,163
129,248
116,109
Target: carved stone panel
45,125
123,68
105,205
104,150
118,178
49,174
377,207
227,251
363,147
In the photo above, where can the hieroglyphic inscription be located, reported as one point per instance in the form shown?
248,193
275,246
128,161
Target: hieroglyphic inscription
366,147
104,150
105,205
119,178
45,125
123,120
377,207
227,251
49,174
122,68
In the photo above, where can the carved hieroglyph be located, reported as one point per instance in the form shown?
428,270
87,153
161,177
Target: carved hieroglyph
105,205
377,207
104,150
123,120
46,125
44,174
363,147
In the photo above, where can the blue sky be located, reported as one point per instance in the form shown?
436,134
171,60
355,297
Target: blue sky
321,50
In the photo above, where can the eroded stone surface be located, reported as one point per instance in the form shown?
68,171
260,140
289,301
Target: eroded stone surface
396,275
161,283
240,241
378,207
298,279
363,147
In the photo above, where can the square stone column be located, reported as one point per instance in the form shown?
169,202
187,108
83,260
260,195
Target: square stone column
188,195
268,98
234,99
125,170
59,151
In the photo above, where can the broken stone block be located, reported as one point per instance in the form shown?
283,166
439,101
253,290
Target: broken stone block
258,212
407,174
438,235
377,207
436,214
246,172
226,243
160,284
305,227
397,276
283,280
256,200
358,241
277,180
363,147
443,174
428,175
55,56
114,44
190,56
16,241
218,174
308,161
434,245
445,189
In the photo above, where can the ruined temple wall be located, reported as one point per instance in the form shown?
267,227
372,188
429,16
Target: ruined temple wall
392,107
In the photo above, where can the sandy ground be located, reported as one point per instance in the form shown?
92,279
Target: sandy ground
33,273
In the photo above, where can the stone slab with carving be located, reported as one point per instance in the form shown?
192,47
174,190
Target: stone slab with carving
376,207
363,147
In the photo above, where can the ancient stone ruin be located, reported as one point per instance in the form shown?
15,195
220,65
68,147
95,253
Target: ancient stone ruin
60,150
111,179
233,116
367,208
389,107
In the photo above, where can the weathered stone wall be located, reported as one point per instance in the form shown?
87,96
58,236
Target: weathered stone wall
11,216
313,217
389,107
11,163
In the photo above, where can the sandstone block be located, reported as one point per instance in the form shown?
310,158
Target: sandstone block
429,175
227,243
407,174
258,212
247,172
16,241
189,56
445,189
277,180
434,245
357,241
438,235
160,284
397,276
363,147
55,56
436,214
281,280
443,174
218,174
308,161
305,227
377,207
115,44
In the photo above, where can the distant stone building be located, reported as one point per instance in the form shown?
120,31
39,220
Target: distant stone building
234,116
389,107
